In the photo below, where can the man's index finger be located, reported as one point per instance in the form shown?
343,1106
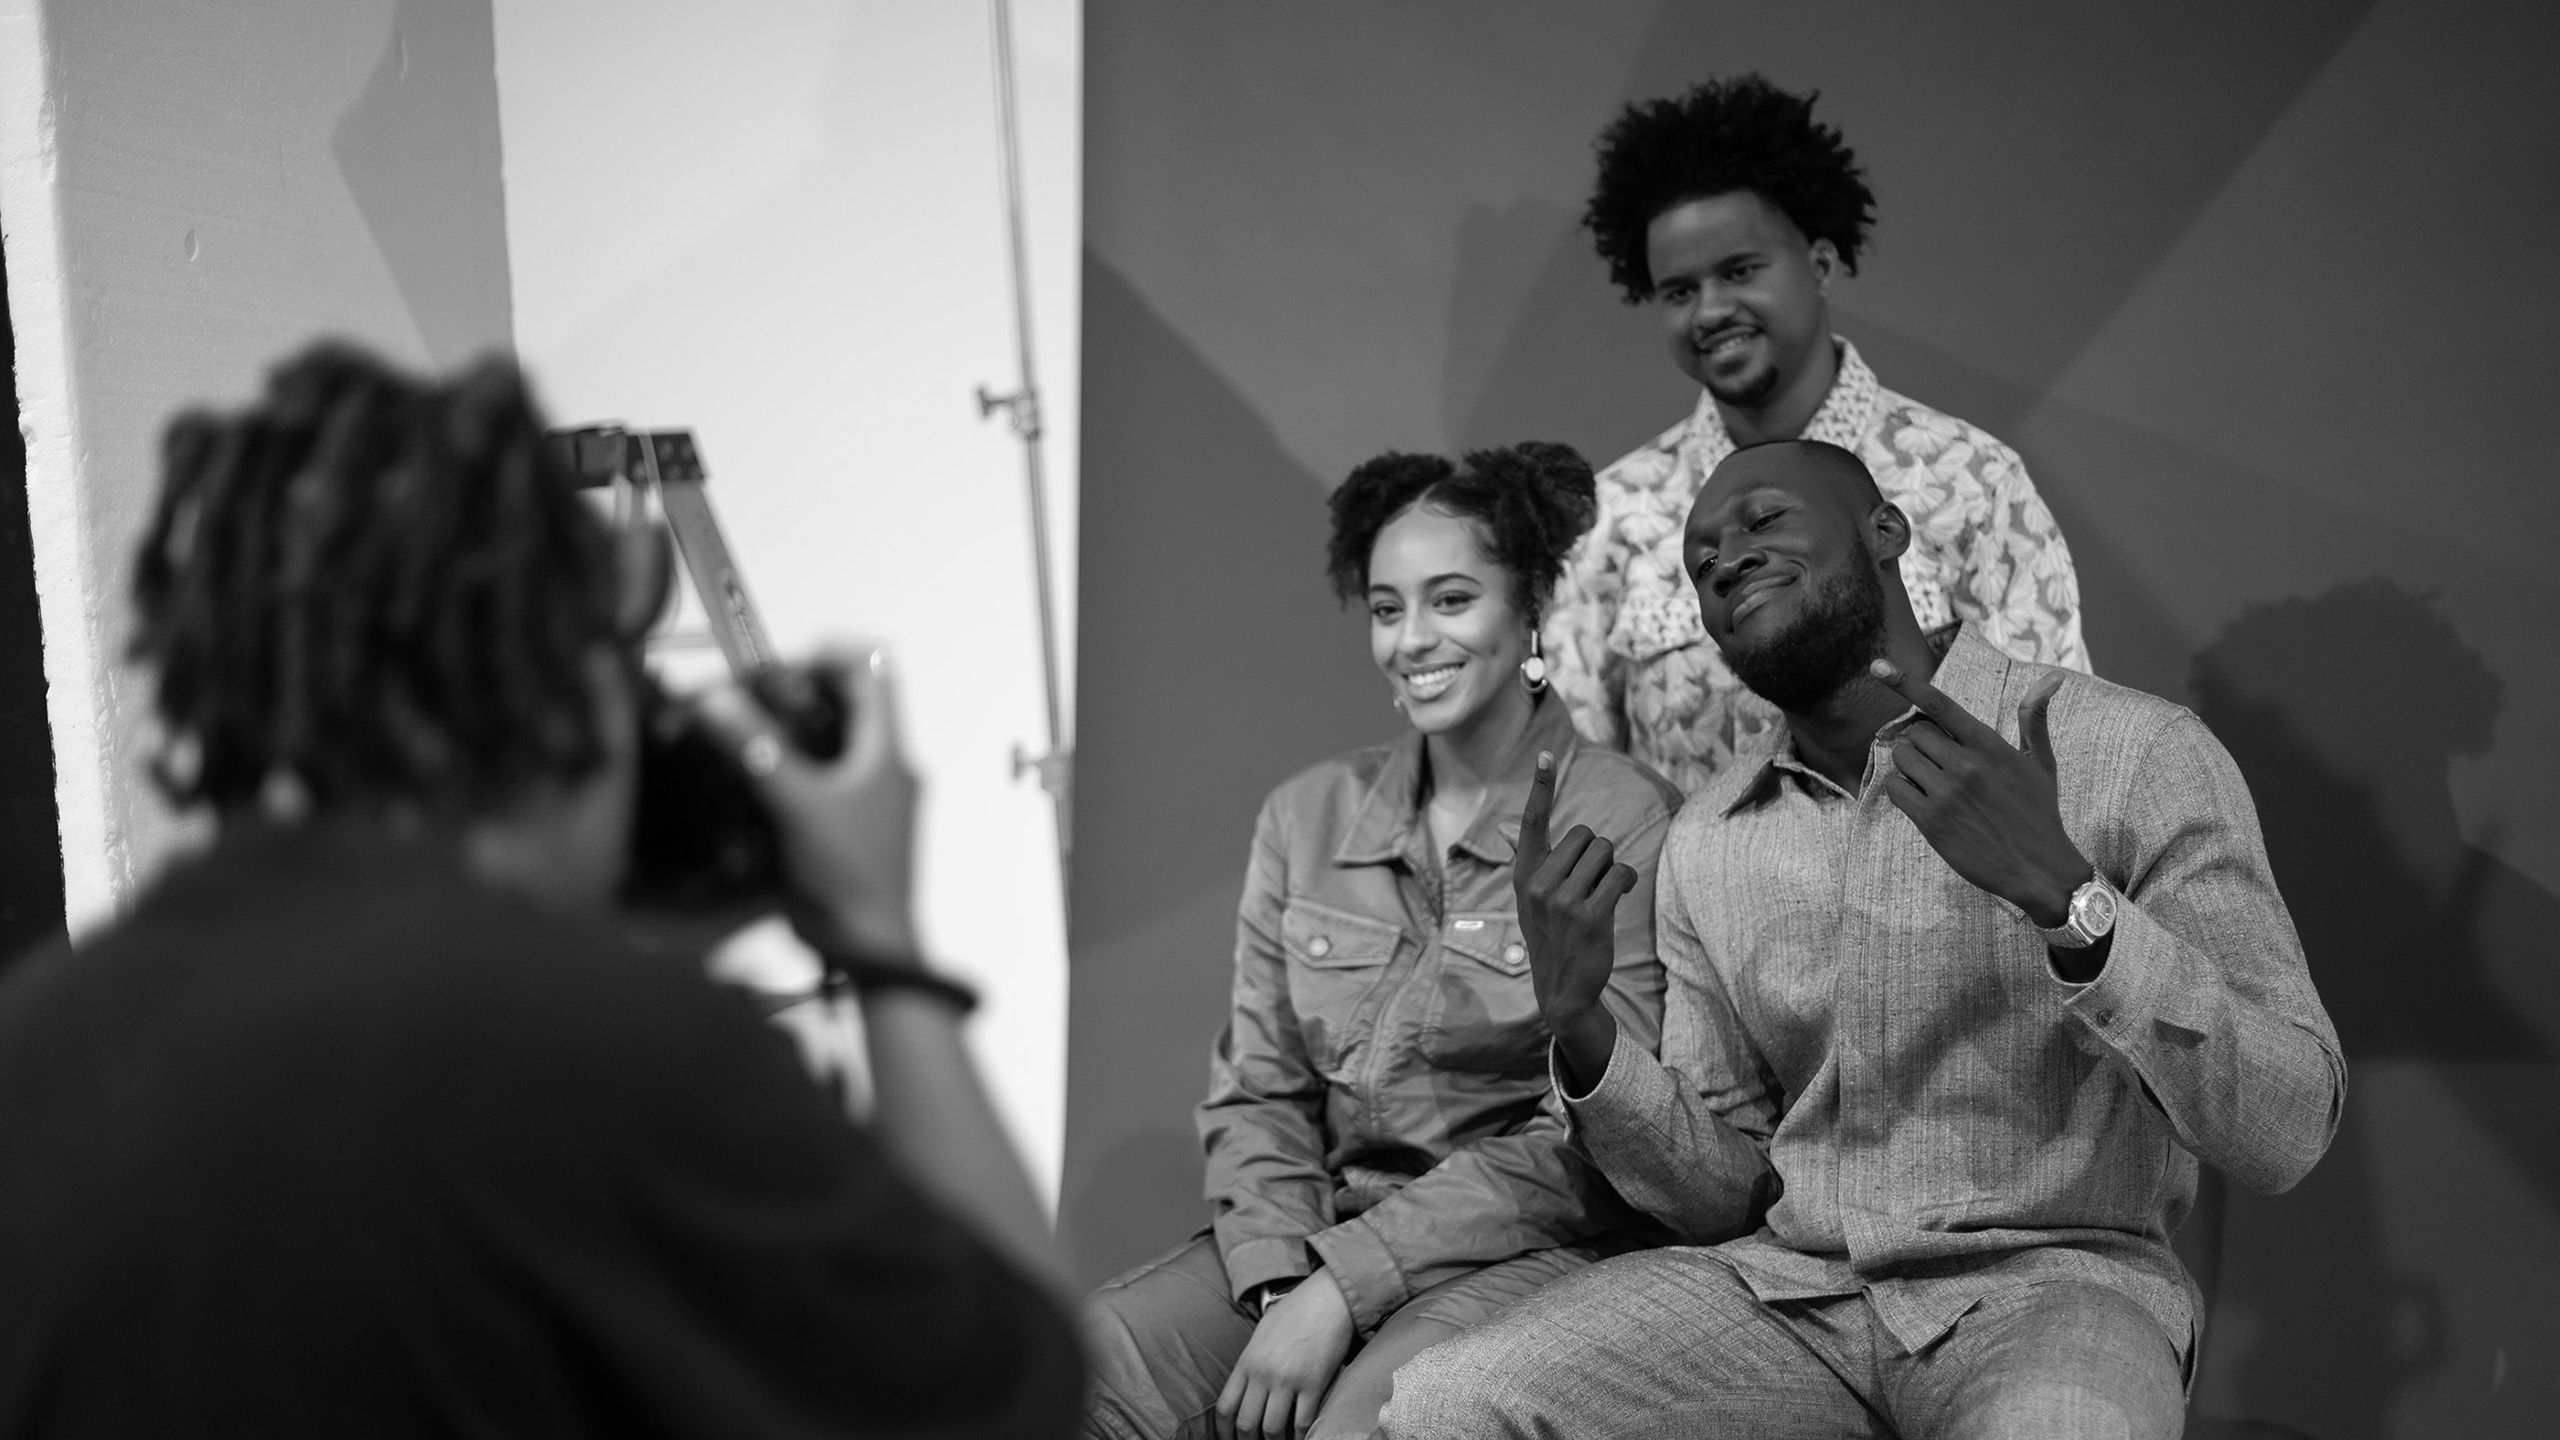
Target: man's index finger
2035,727
1937,704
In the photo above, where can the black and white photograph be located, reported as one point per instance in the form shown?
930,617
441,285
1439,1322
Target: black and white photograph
1361,720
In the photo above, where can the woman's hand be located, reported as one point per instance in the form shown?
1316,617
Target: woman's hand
1280,1382
1567,895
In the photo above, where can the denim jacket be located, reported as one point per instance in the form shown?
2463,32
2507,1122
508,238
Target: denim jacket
1378,1102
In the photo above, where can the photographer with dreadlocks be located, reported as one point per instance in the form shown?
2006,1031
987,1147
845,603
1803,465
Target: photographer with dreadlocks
370,1119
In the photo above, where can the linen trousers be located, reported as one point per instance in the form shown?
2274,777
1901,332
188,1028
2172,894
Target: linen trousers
1672,1343
1164,1337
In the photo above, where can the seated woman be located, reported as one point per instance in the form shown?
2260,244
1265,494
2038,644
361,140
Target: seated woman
1387,1159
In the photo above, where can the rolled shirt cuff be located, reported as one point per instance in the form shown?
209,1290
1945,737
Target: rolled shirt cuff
2137,998
1259,1262
1364,1270
1628,1092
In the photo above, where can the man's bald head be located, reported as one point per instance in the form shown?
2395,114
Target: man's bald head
1813,475
1813,469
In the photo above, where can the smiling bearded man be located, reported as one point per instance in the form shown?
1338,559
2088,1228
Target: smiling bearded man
1832,637
1971,963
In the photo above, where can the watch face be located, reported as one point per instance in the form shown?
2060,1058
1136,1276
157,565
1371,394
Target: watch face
2096,910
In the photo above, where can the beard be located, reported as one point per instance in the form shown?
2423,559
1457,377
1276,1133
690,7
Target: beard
1839,630
1748,393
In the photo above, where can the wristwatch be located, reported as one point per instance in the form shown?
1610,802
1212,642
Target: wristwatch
2091,918
1259,1298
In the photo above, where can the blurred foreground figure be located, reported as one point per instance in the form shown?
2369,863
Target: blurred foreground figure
370,1120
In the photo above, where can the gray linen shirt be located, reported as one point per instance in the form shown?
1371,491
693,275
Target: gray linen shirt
1872,1061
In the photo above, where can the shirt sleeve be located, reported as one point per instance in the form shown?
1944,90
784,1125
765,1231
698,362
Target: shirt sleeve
1263,1121
2205,996
1685,1138
2019,584
1586,674
1509,1194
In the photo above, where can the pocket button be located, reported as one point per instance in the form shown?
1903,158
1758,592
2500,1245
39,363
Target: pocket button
1320,947
1515,952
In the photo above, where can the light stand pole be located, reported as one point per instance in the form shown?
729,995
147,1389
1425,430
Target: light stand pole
1053,766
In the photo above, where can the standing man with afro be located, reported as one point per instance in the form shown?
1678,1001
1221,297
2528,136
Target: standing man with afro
1731,211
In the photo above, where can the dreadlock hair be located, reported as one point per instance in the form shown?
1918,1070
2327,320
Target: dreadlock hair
1723,136
1529,502
379,587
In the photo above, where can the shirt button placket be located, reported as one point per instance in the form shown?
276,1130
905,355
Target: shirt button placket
1862,1001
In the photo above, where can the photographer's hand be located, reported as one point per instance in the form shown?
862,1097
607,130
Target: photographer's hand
848,834
847,825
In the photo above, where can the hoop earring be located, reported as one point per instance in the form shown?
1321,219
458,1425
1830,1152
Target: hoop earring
1533,671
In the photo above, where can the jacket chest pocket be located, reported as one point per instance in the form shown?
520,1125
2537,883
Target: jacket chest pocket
1654,625
1486,1011
1336,960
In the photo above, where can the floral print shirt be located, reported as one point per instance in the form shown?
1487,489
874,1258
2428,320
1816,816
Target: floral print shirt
1624,643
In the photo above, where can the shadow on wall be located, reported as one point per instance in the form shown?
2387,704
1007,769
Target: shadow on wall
2344,712
1221,669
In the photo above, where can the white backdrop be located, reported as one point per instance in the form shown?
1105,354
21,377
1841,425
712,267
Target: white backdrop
779,222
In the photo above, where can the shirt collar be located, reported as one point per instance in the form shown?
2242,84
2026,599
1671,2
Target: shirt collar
1389,823
1847,411
1971,670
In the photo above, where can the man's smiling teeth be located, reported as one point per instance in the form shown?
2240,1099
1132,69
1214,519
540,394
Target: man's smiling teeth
1427,684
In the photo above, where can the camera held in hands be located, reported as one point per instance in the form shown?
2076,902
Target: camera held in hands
701,838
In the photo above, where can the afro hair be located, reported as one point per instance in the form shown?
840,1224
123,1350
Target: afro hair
1722,136
1529,501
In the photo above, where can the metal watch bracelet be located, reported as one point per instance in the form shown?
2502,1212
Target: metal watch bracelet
1259,1298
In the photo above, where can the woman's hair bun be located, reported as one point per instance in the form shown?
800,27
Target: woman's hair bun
1558,484
1531,501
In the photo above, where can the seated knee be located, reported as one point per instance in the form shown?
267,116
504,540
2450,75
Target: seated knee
2056,1410
1116,1359
1459,1387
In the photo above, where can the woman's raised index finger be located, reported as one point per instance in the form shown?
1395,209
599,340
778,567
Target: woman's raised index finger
1533,814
